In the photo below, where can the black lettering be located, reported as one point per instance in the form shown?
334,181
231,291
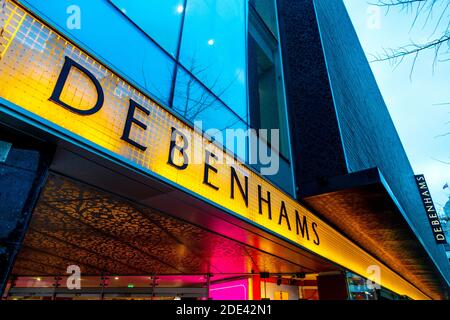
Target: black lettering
314,227
174,147
56,95
209,168
267,201
283,214
423,185
235,179
302,226
132,120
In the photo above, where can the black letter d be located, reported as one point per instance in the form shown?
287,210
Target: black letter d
56,95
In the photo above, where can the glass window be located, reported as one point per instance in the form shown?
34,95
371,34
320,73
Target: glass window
115,40
213,48
266,92
358,288
266,10
195,103
161,20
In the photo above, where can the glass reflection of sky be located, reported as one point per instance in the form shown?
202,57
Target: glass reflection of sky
161,20
113,39
213,48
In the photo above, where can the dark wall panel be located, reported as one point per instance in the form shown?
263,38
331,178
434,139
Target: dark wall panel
368,133
315,133
22,177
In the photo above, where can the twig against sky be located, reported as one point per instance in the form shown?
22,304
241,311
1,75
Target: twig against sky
436,12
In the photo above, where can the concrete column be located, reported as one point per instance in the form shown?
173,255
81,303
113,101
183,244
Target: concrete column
24,165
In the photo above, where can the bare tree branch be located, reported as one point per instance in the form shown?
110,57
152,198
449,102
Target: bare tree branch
441,161
438,42
440,37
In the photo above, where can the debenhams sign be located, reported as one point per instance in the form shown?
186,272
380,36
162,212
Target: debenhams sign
179,158
83,97
52,83
430,209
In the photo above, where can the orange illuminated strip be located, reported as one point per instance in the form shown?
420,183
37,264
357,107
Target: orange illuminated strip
29,68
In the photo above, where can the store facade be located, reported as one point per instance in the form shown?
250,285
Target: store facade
120,137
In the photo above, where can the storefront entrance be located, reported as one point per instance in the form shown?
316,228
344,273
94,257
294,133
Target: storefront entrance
87,243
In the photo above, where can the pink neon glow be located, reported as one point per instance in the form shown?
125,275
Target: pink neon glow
231,290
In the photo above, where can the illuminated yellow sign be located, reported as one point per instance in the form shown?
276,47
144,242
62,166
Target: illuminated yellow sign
46,75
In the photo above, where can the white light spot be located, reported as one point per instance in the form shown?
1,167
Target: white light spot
211,42
180,9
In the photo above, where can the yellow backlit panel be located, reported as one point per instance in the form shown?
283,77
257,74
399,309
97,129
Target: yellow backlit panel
32,57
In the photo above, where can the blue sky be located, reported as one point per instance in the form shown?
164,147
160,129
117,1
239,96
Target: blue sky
412,101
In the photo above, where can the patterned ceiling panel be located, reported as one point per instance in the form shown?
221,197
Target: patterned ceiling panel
47,248
74,224
385,237
49,263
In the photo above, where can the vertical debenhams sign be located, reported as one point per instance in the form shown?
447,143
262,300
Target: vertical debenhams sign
430,209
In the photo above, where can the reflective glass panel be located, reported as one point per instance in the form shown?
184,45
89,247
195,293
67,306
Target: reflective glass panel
213,48
105,32
160,19
266,91
266,9
195,103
